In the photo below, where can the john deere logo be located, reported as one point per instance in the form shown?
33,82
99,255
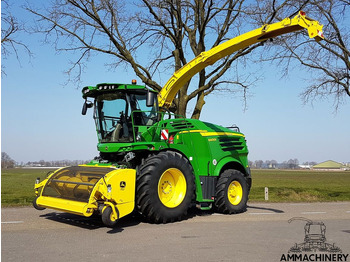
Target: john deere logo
315,246
122,184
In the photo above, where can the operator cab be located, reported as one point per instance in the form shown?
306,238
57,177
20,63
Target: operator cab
121,110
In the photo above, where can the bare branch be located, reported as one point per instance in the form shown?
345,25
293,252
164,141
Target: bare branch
327,61
11,28
154,38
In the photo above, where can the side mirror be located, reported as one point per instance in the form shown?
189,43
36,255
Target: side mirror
86,105
150,98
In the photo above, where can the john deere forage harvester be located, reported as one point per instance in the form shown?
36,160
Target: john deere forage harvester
154,162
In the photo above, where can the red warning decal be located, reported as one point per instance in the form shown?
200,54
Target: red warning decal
164,135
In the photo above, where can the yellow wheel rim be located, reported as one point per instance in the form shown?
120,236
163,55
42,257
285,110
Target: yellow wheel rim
112,217
172,187
235,193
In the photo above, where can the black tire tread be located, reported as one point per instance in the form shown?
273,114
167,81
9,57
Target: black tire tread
146,204
221,202
35,205
106,217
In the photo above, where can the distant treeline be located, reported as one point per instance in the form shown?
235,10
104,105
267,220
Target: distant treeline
56,163
273,164
8,162
259,164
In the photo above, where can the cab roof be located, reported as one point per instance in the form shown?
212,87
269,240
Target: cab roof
93,91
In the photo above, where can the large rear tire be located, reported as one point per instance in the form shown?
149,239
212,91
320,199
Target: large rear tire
231,192
165,187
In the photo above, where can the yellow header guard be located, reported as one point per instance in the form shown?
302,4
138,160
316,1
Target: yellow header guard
184,74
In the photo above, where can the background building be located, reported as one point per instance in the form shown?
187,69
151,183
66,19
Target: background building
330,165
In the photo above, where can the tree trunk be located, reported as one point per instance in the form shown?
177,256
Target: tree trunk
200,97
182,102
199,105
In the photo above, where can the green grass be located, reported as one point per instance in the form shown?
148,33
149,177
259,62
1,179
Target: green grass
17,185
300,186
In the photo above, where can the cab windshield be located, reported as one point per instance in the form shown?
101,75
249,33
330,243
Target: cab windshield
117,115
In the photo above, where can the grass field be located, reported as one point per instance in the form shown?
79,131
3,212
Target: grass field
284,185
17,185
300,185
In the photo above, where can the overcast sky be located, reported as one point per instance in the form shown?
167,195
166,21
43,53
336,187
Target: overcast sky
41,117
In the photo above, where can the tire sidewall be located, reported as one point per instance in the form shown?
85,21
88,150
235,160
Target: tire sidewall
180,165
106,217
234,175
35,205
164,161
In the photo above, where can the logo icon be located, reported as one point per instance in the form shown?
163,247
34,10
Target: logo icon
315,246
315,238
122,184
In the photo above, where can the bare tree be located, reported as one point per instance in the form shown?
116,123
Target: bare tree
258,163
293,163
330,58
251,164
10,29
271,164
172,32
7,161
327,61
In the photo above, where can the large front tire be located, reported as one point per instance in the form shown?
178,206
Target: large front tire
231,192
165,187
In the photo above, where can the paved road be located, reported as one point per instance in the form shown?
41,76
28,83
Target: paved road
260,234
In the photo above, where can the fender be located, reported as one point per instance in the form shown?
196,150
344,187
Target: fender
231,163
114,209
